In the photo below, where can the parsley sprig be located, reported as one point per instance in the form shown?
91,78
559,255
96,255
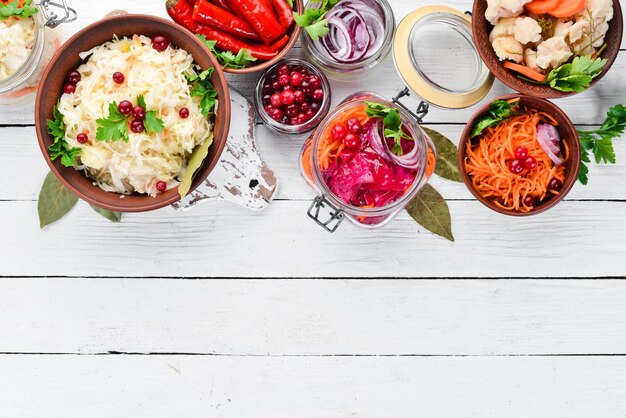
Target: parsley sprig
600,141
576,75
313,18
60,147
201,86
226,58
392,124
152,123
499,111
12,9
113,127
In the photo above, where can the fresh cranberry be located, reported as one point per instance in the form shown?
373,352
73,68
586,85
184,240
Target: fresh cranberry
296,79
137,126
530,201
315,81
283,79
315,106
299,96
275,100
269,109
139,113
277,114
69,88
125,107
530,163
283,69
160,42
354,125
555,185
183,113
266,99
338,132
351,141
310,114
161,186
516,166
521,153
318,95
305,106
82,138
302,118
276,86
292,110
74,77
306,87
118,77
267,88
287,97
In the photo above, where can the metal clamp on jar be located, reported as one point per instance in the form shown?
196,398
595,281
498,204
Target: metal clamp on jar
20,76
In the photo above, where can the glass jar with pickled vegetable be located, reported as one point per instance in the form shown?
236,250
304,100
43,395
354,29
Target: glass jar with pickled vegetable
28,40
360,37
366,161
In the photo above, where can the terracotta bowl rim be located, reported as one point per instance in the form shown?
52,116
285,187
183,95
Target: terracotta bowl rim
526,88
575,151
220,133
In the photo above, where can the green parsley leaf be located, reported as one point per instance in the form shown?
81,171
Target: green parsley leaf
152,123
392,123
226,58
114,127
599,142
12,10
499,111
313,18
576,75
60,147
201,86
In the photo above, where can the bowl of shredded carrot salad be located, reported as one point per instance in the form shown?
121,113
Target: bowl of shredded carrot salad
520,155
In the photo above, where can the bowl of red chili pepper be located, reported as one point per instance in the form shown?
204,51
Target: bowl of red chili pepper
245,36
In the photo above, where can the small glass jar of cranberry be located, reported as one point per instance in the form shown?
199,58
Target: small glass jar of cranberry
292,96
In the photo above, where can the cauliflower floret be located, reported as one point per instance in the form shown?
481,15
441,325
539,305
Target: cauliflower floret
530,59
497,9
562,28
527,30
592,25
578,30
507,48
600,32
553,52
504,27
600,10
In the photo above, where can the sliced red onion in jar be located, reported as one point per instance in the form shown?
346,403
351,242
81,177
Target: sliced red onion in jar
375,140
549,139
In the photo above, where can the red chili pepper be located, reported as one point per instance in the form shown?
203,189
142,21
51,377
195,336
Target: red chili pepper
181,12
260,18
223,4
227,42
284,12
268,6
209,14
278,45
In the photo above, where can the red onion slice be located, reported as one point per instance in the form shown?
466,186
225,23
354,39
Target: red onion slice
373,136
549,138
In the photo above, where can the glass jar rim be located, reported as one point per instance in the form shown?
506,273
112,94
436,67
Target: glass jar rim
419,138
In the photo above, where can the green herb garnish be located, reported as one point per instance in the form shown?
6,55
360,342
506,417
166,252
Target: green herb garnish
499,111
576,75
152,123
600,141
392,123
60,147
12,10
226,58
313,19
201,86
114,127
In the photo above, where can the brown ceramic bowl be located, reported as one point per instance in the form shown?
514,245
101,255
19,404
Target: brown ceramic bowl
568,134
481,29
67,59
294,34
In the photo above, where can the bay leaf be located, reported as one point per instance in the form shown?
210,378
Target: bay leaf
55,201
110,215
195,162
447,156
430,210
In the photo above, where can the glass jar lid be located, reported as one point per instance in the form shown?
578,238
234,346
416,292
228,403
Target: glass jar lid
436,57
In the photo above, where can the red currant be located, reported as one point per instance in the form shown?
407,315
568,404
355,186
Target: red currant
516,166
530,201
125,107
82,138
161,186
338,132
354,125
530,163
74,77
296,79
160,42
137,126
118,77
275,100
351,141
69,88
139,113
521,153
183,113
287,97
555,185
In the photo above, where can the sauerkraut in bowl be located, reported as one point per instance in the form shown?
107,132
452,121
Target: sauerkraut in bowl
132,114
17,39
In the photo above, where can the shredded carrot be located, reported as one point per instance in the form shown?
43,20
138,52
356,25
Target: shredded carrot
486,162
330,149
430,164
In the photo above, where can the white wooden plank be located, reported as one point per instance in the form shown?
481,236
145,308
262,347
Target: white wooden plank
313,317
330,387
281,152
582,239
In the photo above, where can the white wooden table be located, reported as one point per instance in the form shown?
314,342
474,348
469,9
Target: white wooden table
220,312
